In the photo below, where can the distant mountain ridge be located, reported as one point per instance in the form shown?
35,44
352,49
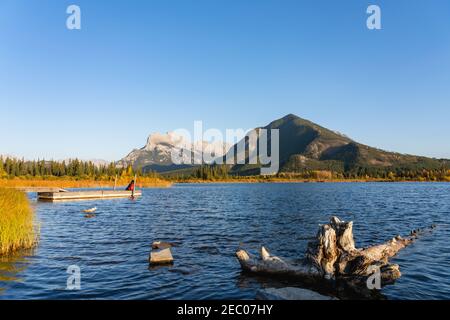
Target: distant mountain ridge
303,146
157,153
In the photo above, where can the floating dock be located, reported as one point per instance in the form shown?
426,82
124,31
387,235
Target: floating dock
40,189
86,195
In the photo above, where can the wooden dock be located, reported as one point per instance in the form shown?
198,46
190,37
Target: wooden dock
40,189
86,195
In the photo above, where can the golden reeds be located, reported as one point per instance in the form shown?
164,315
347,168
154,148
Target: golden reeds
66,182
17,224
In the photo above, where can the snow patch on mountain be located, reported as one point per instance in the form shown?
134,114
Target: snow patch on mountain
159,149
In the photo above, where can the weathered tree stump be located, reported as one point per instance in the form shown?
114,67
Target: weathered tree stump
332,256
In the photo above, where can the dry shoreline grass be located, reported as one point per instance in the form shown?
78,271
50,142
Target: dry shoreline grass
283,180
17,224
73,183
255,180
146,182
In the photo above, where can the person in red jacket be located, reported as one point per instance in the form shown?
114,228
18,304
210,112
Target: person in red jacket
130,186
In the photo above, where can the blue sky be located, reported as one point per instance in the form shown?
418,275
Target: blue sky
138,67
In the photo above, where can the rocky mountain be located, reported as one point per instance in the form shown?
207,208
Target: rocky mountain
157,153
305,145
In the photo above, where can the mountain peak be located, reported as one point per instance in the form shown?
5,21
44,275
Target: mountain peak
159,149
304,146
169,139
290,116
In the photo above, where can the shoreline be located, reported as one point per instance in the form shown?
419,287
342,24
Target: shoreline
242,181
165,183
83,183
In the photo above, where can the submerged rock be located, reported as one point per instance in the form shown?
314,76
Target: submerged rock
161,257
161,245
290,293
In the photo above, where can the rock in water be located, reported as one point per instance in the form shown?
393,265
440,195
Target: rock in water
161,245
290,293
161,257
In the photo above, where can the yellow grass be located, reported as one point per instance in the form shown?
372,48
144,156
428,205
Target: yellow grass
65,182
274,179
17,225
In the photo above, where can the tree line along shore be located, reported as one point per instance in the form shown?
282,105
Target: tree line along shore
83,174
71,174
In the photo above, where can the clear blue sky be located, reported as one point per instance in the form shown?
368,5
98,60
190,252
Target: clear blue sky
138,67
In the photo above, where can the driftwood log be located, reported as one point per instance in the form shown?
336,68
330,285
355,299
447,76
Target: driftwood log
332,256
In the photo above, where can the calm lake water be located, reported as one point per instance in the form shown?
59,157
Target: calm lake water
209,222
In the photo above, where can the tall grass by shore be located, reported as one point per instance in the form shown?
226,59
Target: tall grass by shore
17,224
68,182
